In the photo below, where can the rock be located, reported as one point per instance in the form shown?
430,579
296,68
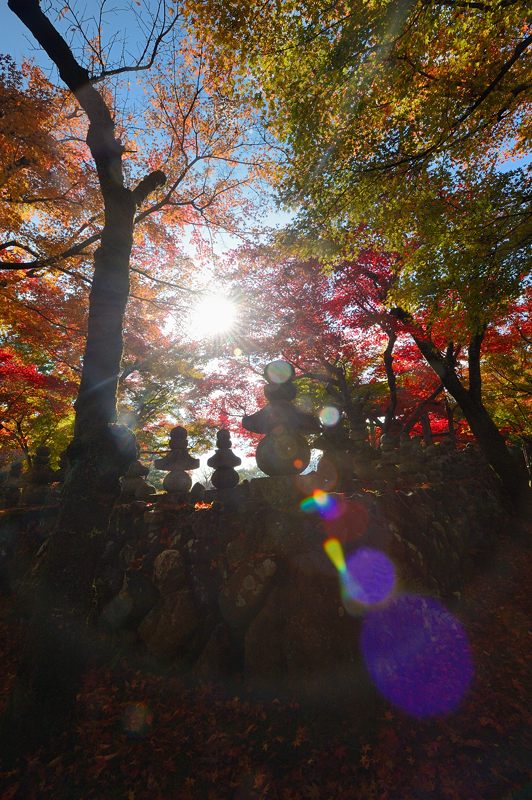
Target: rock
134,485
117,613
142,592
245,591
218,658
169,626
300,642
169,571
136,598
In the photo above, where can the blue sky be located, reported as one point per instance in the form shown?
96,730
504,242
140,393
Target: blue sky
17,42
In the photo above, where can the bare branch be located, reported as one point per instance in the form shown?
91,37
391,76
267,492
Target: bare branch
142,65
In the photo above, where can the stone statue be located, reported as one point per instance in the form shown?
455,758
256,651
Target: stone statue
178,461
134,485
224,461
284,450
335,467
38,480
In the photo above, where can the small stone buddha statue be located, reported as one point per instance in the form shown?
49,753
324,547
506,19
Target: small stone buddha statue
37,482
11,487
134,485
177,462
284,450
224,462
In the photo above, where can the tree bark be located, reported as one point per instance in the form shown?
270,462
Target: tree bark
62,592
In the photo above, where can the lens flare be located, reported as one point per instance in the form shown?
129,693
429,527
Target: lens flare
322,503
329,416
335,551
367,578
279,371
418,655
373,571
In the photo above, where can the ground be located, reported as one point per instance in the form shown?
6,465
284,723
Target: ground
141,734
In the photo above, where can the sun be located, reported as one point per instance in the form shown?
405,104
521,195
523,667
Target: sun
214,315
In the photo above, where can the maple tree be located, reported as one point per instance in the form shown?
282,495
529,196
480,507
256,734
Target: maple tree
347,345
198,132
192,130
31,403
398,128
336,331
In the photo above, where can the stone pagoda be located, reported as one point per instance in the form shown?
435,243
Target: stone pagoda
224,462
177,462
284,449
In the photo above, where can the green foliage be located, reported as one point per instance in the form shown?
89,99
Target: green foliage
395,118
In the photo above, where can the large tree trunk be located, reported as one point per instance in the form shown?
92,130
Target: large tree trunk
100,451
96,402
62,588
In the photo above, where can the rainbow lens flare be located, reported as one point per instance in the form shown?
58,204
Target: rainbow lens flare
279,371
418,655
322,503
335,551
329,416
366,578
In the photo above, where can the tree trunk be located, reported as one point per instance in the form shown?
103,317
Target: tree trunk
425,427
415,416
389,416
484,429
62,593
96,401
450,421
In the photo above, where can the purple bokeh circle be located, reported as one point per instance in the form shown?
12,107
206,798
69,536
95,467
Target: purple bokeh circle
418,655
373,575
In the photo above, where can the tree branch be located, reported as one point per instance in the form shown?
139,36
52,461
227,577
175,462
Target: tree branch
105,148
148,185
517,53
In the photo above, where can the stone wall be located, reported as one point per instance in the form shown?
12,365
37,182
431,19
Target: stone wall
247,589
241,587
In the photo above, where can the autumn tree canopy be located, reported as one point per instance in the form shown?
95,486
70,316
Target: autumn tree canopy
397,132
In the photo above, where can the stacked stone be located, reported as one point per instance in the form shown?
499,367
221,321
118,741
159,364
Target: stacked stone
177,463
387,468
11,486
37,488
411,460
134,485
434,465
284,449
224,462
